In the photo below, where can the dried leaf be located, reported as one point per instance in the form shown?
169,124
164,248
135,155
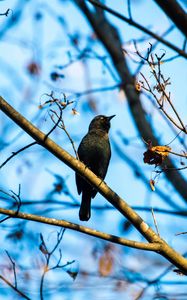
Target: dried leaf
75,112
16,235
58,187
162,150
43,249
152,184
152,158
105,264
156,155
138,86
33,69
72,274
42,246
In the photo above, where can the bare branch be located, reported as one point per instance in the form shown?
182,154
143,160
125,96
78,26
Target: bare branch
17,152
110,195
105,236
175,12
138,26
6,12
14,288
14,269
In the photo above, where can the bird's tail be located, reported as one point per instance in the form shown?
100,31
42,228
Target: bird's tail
85,208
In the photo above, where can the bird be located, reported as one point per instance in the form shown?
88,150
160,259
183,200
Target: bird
95,152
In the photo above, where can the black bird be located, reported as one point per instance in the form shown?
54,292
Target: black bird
94,151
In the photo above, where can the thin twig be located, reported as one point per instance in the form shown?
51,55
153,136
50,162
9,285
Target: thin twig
15,197
129,9
48,255
160,87
138,26
6,12
62,126
155,222
180,233
14,288
14,268
17,152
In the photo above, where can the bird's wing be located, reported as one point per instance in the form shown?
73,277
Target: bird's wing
82,152
95,154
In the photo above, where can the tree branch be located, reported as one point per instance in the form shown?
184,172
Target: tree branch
166,251
17,152
175,12
137,25
102,235
5,13
14,288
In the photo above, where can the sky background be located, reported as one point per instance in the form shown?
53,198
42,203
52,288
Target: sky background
39,37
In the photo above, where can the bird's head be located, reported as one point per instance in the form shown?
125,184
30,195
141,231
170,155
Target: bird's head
101,122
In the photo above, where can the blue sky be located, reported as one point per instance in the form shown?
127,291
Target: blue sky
46,43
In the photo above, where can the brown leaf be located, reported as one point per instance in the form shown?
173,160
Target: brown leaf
152,158
162,150
33,69
156,155
138,86
105,264
16,235
72,274
43,249
75,112
58,187
152,184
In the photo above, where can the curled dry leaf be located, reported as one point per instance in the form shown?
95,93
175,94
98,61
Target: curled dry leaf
72,274
162,150
43,249
75,112
156,155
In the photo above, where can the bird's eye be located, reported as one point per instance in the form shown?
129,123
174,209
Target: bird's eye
102,118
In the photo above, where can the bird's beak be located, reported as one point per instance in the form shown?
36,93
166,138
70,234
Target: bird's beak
110,118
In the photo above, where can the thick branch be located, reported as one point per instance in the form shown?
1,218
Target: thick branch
83,229
166,251
175,12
